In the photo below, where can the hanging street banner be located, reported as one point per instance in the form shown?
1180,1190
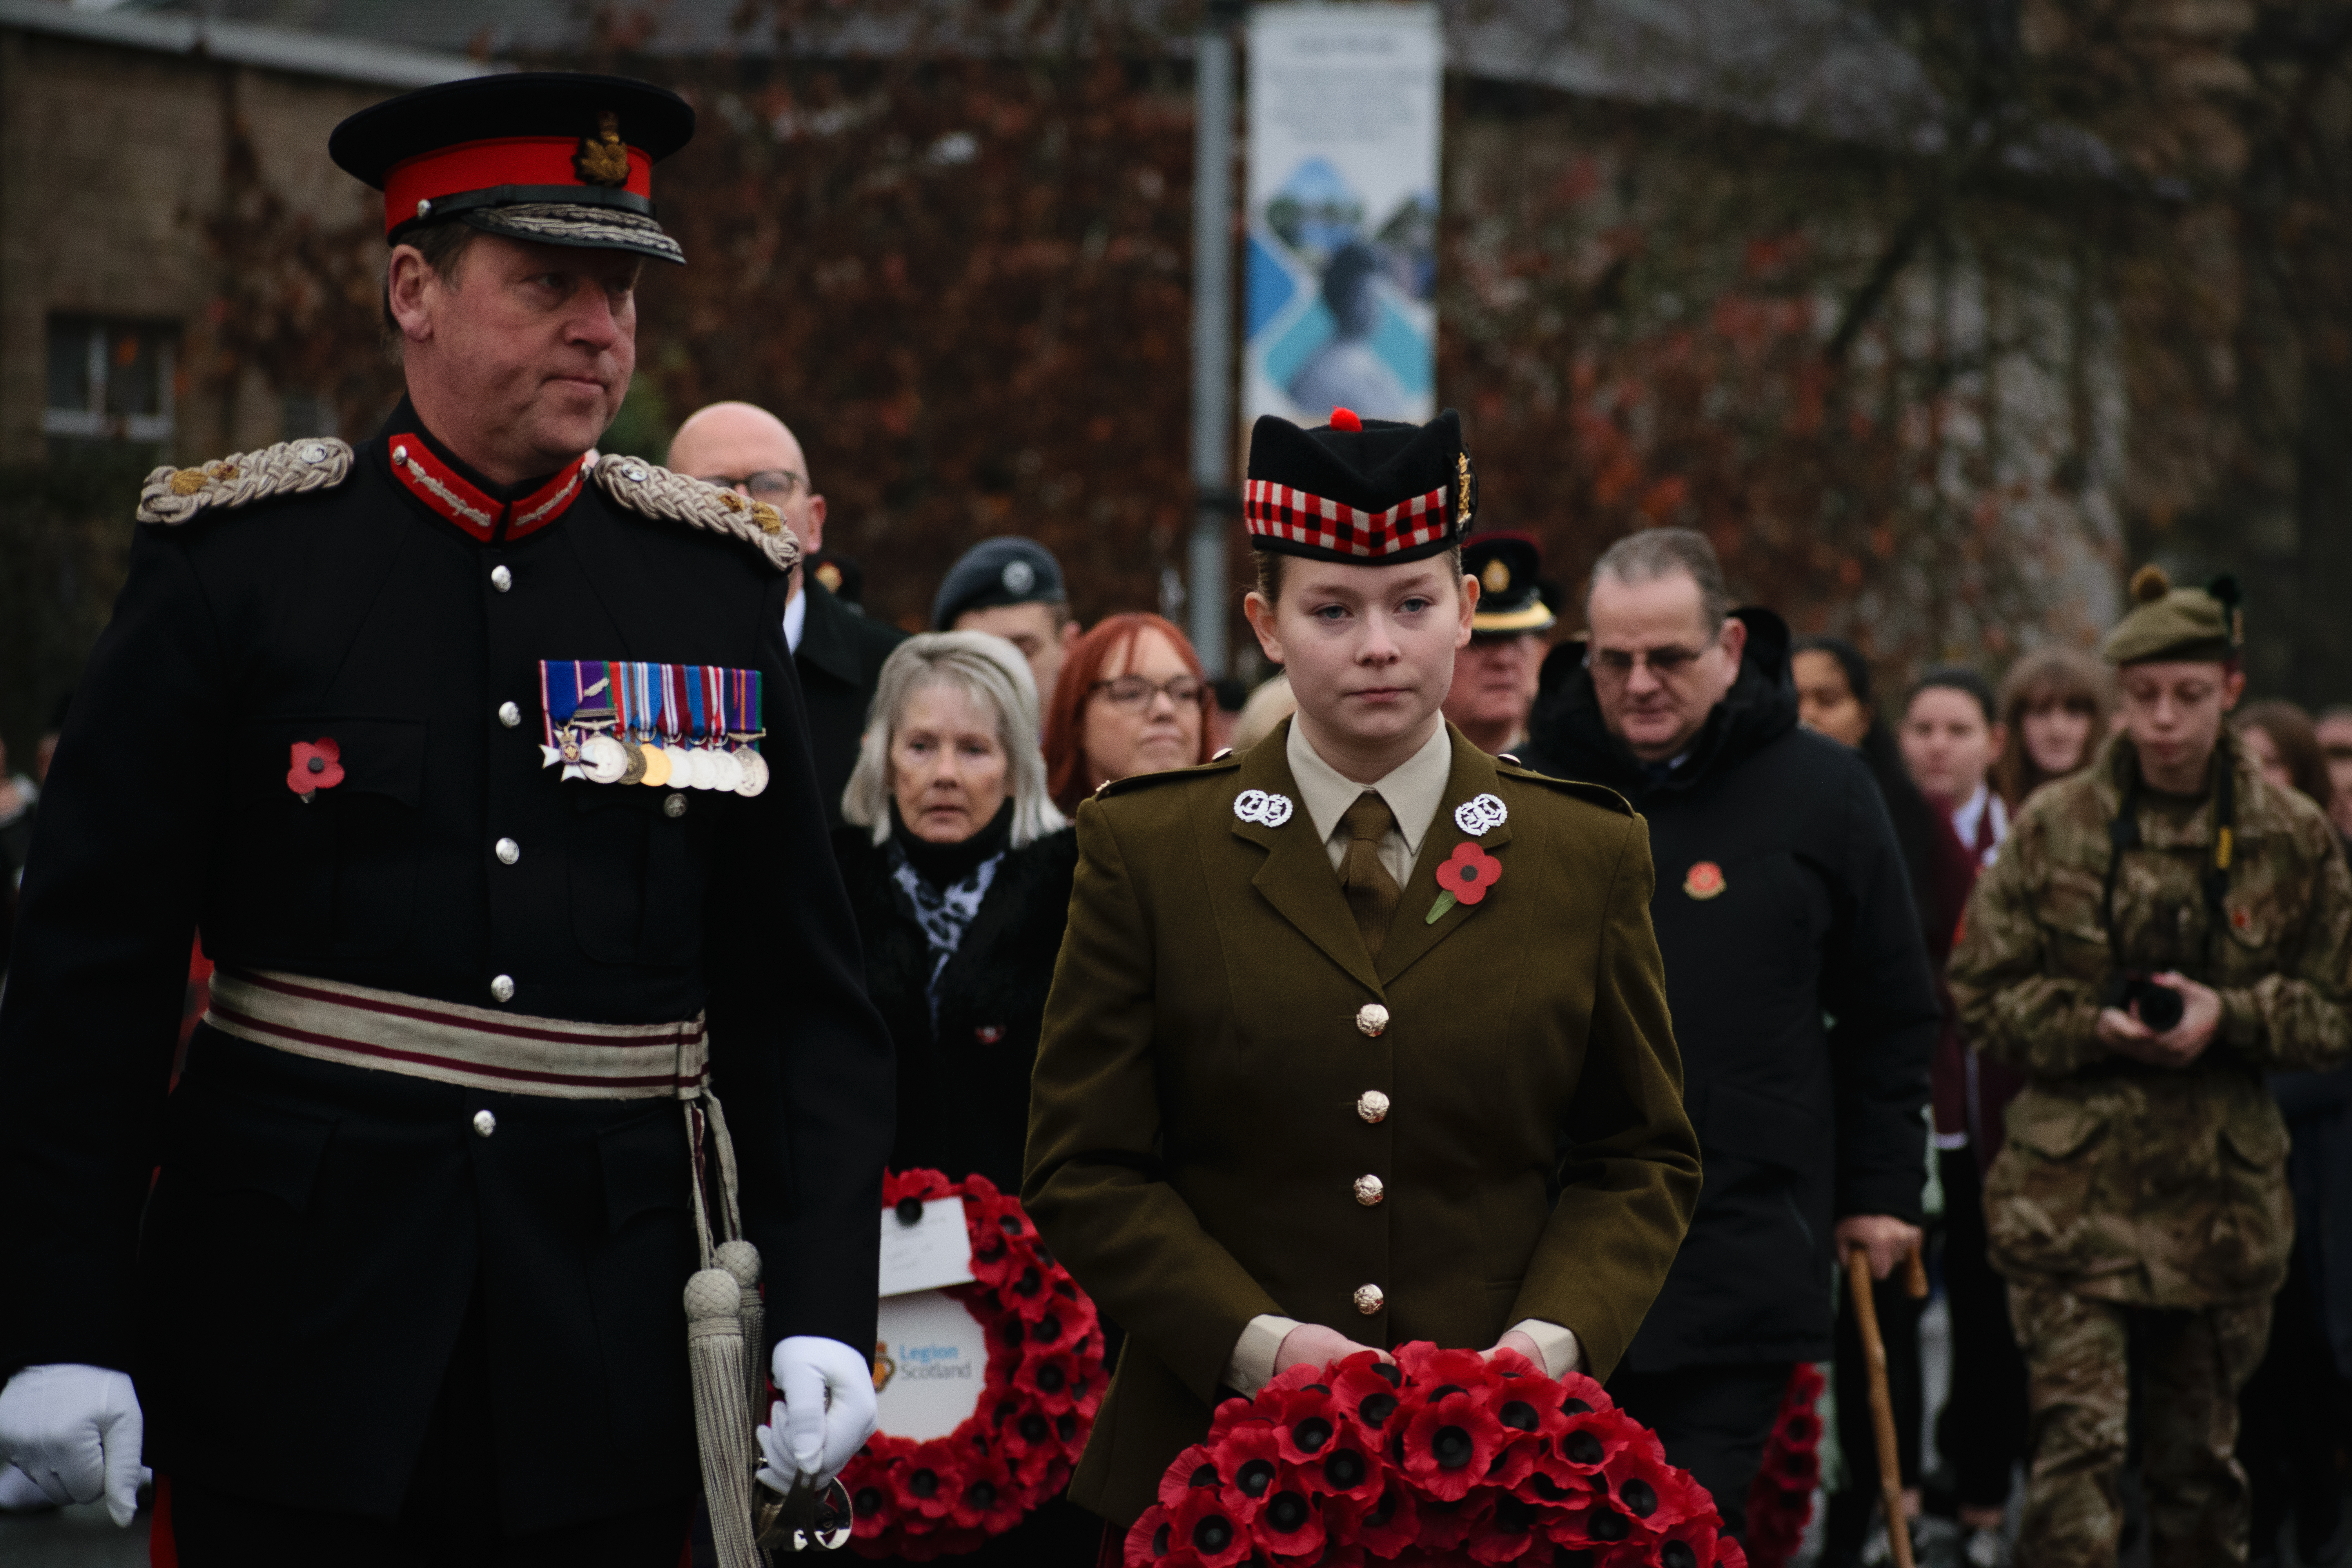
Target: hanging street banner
1344,109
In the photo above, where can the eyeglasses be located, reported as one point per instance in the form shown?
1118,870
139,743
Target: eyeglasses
770,485
1667,663
1133,694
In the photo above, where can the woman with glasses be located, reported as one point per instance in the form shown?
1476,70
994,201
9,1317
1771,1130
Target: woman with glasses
1131,700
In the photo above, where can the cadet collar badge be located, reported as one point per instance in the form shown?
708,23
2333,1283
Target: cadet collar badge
1464,878
685,726
1481,814
1704,881
1266,810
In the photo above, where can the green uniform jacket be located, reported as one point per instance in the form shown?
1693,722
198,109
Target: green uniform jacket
1195,1132
2154,1186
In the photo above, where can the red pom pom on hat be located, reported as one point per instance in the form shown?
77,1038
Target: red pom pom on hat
1345,419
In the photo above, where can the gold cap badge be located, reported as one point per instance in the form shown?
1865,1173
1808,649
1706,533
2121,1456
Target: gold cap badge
602,159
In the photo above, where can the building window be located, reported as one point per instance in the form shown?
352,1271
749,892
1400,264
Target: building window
110,380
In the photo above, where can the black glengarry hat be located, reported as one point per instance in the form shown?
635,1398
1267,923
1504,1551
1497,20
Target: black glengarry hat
1374,492
557,157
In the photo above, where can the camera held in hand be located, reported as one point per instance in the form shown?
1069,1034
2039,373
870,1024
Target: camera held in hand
2159,1006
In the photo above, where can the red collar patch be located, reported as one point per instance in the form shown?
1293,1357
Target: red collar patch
480,514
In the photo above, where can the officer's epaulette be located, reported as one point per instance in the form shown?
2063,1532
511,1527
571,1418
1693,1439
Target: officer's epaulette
290,467
1224,762
1598,794
652,491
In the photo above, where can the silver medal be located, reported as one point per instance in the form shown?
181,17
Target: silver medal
721,771
604,759
755,772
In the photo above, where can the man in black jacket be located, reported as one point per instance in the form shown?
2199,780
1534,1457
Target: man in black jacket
1800,992
837,650
479,760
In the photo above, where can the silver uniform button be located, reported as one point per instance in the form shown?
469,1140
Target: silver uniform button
508,851
503,987
501,579
1370,1192
400,454
510,715
1371,1018
484,1124
1369,1299
1372,1105
675,806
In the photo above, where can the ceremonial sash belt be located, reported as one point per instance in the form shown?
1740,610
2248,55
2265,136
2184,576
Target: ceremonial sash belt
390,1032
449,1042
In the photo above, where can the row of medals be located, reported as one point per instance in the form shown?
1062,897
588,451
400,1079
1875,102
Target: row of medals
604,758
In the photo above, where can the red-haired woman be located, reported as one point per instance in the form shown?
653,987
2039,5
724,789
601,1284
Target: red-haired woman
1131,700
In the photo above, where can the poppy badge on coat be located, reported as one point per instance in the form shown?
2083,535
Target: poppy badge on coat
1704,881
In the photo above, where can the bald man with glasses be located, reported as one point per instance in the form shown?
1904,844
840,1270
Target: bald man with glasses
838,651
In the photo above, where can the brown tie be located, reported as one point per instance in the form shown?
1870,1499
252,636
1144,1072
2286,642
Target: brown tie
1372,893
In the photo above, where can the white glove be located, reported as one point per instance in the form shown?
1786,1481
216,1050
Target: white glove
825,1416
75,1432
18,1494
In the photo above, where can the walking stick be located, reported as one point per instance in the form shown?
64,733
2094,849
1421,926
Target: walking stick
1881,1402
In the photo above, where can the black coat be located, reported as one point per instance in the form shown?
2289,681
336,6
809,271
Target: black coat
1800,994
840,659
963,1089
318,1231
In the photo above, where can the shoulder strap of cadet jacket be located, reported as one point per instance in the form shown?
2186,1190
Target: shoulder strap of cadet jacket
2123,834
290,467
1601,795
651,491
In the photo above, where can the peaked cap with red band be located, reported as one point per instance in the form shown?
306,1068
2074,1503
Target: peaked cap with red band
558,157
1373,492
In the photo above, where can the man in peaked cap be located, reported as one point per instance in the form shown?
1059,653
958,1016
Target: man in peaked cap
1494,677
1012,588
1281,1114
2159,931
488,785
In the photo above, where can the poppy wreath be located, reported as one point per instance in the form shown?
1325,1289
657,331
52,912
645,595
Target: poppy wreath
1442,1456
1781,1501
945,1496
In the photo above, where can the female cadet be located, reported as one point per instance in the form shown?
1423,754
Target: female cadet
1328,1013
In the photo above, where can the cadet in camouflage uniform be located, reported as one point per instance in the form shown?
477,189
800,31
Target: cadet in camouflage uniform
2140,1209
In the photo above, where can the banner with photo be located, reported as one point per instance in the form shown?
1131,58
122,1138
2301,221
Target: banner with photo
1344,109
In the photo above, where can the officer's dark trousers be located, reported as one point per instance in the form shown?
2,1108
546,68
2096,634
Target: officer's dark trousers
1713,1421
450,1518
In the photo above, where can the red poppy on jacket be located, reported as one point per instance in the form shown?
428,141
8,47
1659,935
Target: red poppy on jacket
1209,1530
1449,1443
1469,873
317,765
1290,1527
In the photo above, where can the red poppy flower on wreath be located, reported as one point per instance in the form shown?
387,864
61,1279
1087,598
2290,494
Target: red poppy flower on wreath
1512,1530
989,1500
1305,1420
1290,1527
929,1482
1449,1442
1206,1526
1349,1467
1532,1421
1469,873
317,765
1382,1528
1194,1467
1447,1525
1248,1459
1645,1486
1364,1390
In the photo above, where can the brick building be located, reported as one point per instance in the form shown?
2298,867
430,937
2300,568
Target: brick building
116,132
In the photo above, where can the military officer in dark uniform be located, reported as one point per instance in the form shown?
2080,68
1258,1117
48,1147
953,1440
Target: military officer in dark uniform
1329,1013
479,763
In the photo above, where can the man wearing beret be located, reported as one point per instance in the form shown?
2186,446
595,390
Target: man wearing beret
1360,1036
2159,931
480,763
1011,588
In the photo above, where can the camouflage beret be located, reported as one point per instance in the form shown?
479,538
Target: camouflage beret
2204,625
